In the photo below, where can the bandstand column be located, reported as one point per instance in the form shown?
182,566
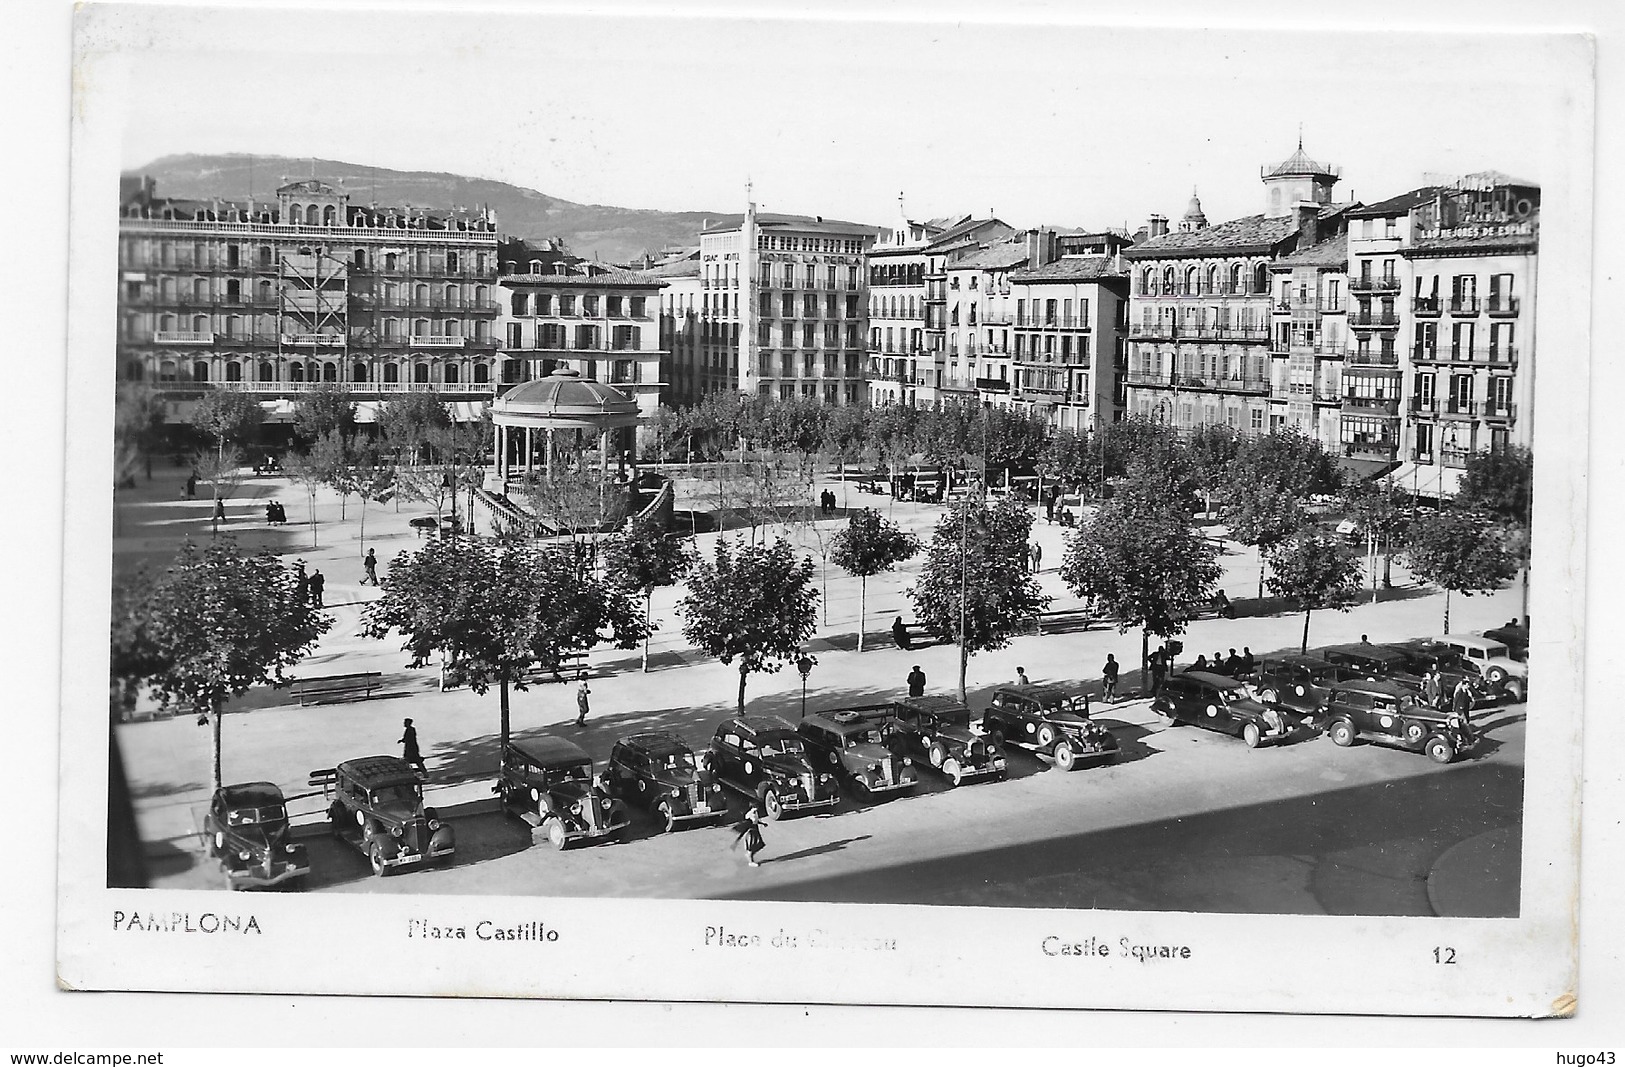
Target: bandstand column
530,451
547,457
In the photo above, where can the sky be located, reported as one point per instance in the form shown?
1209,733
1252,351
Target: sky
1038,123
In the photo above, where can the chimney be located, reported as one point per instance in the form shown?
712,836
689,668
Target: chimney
1308,214
1035,245
1156,226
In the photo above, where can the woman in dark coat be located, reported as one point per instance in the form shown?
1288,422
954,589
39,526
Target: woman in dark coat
749,830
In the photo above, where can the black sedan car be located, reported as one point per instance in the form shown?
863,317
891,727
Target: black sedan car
246,831
377,807
937,729
1215,702
851,744
763,758
548,783
1042,718
658,771
1390,713
1296,682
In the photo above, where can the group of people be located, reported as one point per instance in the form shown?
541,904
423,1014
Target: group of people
1232,665
311,586
826,502
275,513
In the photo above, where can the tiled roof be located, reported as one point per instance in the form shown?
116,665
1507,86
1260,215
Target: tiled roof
1253,233
1300,163
1070,269
1002,256
955,234
1466,242
1333,252
615,279
1396,205
682,268
768,220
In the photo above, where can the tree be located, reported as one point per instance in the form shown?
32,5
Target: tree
573,502
312,470
1461,552
328,408
1212,449
1382,511
215,624
374,483
1141,562
974,586
870,545
498,610
1499,482
227,417
334,455
138,422
1313,570
1263,516
754,604
222,470
643,556
1067,460
410,424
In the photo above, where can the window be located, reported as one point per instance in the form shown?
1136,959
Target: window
420,373
521,305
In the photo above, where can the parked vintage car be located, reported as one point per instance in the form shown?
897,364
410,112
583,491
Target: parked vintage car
658,771
1492,660
851,744
1423,655
1044,719
1296,682
937,730
762,757
1515,636
1216,702
377,806
1366,660
246,831
548,782
1391,713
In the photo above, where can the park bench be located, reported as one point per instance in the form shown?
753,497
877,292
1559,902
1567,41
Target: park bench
914,634
1064,618
335,687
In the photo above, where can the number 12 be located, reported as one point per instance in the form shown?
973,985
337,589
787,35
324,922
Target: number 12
1444,954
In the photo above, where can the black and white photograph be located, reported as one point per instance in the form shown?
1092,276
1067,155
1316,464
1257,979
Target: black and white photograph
634,505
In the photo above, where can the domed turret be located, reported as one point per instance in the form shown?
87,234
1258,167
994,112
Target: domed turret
1193,218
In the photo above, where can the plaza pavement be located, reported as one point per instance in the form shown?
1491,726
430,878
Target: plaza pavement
267,736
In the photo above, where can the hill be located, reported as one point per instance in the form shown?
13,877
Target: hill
613,234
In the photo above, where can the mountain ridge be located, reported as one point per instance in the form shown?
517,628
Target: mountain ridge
602,231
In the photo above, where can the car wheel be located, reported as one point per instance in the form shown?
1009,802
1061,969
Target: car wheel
1495,675
1514,690
1342,733
1065,757
556,835
1251,734
1045,736
772,806
936,754
667,819
1414,732
995,737
1269,696
953,771
375,858
1440,750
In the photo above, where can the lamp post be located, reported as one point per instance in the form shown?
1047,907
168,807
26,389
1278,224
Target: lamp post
964,553
805,665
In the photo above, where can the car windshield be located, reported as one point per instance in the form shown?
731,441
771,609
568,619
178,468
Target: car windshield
862,737
781,746
1497,651
256,816
578,772
1230,696
678,762
395,794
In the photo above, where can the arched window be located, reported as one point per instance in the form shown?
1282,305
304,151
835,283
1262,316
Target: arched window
358,373
1148,282
421,295
1168,281
450,372
360,257
451,296
392,373
1190,281
1261,279
296,214
420,327
200,291
166,371
200,324
389,261
296,372
265,255
482,374
454,327
330,372
133,370
481,295
420,373
1235,277
330,216
265,289
1212,279
267,372
234,371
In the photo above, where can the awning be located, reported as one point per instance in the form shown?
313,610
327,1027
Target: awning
1366,469
1426,479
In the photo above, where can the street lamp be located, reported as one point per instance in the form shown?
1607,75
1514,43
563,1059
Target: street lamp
805,665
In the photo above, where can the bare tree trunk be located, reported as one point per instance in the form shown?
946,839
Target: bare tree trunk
648,602
863,607
503,691
1261,572
312,495
363,548
215,730
742,676
1145,662
964,664
1304,645
1447,609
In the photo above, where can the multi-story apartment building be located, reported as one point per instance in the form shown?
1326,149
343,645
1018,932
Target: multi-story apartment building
1472,250
1069,329
784,304
602,324
1310,336
687,378
1200,304
980,312
899,363
941,377
270,297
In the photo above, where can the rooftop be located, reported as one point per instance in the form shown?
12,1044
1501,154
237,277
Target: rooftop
1001,256
1396,205
959,232
1333,252
1252,233
1071,269
1299,163
612,279
809,223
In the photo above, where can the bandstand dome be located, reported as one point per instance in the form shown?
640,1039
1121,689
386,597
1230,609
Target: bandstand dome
565,401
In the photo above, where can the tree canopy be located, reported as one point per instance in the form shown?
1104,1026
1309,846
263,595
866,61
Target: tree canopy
1500,482
643,556
411,424
1313,570
1460,551
750,605
325,409
870,545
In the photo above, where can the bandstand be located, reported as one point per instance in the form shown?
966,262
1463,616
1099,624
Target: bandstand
530,417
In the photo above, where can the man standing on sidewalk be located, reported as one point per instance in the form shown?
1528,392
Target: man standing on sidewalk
1038,557
370,565
916,682
317,584
1108,680
581,703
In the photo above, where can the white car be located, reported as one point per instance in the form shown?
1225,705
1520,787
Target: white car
1493,661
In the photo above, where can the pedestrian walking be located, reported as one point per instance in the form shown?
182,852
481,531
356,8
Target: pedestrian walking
581,703
1461,701
1021,676
1049,507
191,486
219,509
916,682
409,746
317,584
749,830
899,634
370,565
1159,668
1038,557
303,580
1108,679
1432,686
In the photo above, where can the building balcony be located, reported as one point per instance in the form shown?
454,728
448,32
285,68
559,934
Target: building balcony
1464,306
313,340
1425,306
1370,321
1502,306
1454,457
997,318
359,389
1504,356
420,340
1374,448
1383,284
1386,407
183,337
993,385
1052,361
1492,409
1052,322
